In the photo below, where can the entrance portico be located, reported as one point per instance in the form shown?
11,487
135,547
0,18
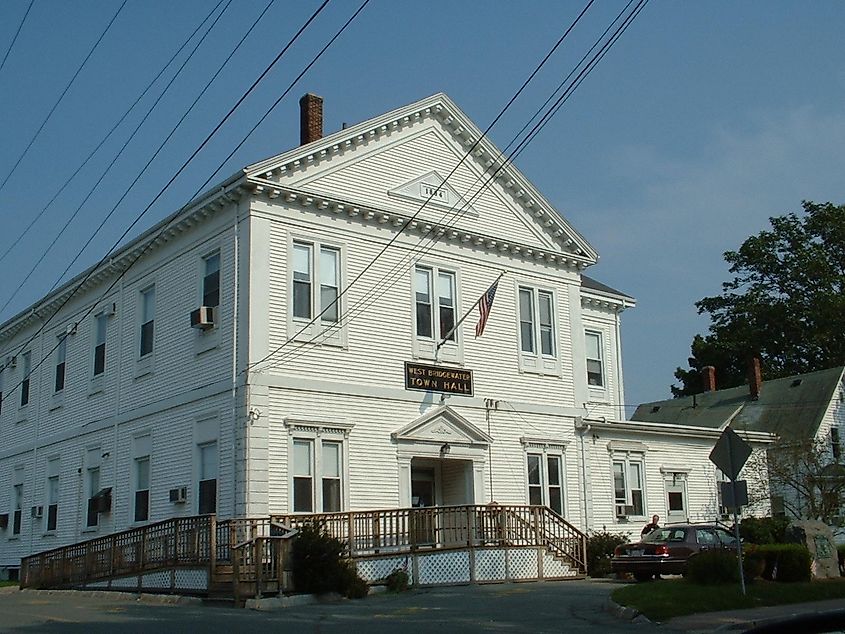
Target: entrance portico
442,459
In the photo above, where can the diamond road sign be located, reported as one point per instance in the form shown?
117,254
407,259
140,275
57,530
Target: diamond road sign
730,453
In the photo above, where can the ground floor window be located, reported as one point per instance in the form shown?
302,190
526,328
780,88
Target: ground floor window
544,465
675,484
207,485
628,491
317,475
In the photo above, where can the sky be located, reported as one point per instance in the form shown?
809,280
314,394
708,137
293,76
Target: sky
704,120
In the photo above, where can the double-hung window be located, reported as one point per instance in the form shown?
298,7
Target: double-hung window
315,291
211,281
17,502
207,478
835,443
142,489
628,492
435,311
537,338
595,366
92,518
317,475
545,479
52,494
26,360
147,332
100,330
61,358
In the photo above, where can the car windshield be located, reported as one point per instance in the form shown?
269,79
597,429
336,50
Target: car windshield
662,535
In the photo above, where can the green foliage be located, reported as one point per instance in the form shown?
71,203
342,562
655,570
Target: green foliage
786,562
713,567
763,530
785,302
600,545
397,581
319,566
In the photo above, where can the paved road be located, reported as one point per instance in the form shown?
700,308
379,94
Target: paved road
573,606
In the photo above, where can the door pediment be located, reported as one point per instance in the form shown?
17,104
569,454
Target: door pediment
442,425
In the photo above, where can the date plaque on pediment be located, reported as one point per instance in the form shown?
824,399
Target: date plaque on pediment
433,378
433,190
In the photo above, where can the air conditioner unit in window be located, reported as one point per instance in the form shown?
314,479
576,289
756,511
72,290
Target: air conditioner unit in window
624,510
203,318
37,512
179,495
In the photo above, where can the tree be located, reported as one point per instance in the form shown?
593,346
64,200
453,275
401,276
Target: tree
785,303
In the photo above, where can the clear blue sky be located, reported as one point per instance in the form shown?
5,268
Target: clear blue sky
704,120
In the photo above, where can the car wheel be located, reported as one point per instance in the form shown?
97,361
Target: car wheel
643,576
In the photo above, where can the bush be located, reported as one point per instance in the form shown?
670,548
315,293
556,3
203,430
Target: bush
600,545
397,581
319,566
713,567
786,562
763,530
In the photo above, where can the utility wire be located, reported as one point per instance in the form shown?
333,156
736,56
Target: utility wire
67,182
15,36
410,220
167,225
61,96
114,160
363,304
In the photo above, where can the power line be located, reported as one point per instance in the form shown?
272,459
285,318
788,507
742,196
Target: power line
363,304
15,36
61,96
165,226
410,220
67,182
114,160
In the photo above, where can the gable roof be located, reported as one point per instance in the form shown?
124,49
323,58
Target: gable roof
572,249
791,407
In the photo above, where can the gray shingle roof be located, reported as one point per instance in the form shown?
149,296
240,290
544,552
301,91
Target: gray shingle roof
791,407
595,285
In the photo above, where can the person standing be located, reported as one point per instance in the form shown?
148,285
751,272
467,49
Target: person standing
648,528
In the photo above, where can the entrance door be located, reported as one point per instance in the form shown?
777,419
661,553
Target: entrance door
422,496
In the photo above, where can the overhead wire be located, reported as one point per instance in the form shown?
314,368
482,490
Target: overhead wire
20,158
165,226
15,36
40,259
414,216
350,314
107,136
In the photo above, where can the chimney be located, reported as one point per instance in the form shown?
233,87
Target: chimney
708,378
755,378
310,118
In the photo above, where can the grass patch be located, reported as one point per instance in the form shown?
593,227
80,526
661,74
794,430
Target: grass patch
3,584
662,600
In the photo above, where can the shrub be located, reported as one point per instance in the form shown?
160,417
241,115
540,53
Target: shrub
763,530
397,581
319,566
600,545
786,562
753,564
713,567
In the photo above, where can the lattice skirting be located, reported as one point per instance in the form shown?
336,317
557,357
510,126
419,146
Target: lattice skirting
480,565
183,580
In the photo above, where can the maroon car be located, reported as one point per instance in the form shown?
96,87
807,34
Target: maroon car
666,551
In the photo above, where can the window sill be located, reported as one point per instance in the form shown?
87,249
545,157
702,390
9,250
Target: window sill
206,340
57,401
22,414
318,334
543,366
49,534
95,386
144,366
90,529
15,538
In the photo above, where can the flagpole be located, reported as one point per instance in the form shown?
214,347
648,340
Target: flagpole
461,320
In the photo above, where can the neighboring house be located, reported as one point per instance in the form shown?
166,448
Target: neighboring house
804,412
215,364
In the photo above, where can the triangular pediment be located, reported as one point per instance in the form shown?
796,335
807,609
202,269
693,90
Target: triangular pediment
442,425
384,169
434,191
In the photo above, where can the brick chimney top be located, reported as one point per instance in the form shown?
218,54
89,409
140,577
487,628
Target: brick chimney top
708,378
310,118
755,378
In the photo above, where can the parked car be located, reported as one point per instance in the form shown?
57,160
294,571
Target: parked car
666,551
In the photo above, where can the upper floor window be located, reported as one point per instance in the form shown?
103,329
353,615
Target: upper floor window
536,322
101,322
595,366
26,361
61,357
211,281
434,285
148,300
835,446
311,274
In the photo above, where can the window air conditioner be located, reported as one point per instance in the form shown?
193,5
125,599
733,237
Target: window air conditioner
624,510
203,318
37,512
179,495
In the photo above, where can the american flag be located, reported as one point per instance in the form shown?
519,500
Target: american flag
485,304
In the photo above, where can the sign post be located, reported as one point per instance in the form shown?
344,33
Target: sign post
730,454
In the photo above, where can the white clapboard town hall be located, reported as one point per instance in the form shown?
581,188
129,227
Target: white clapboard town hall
227,372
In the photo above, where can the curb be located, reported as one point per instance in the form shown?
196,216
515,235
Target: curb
271,604
159,599
624,613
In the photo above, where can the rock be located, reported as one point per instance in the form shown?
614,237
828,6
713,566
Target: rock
818,537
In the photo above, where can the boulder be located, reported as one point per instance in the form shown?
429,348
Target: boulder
818,538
